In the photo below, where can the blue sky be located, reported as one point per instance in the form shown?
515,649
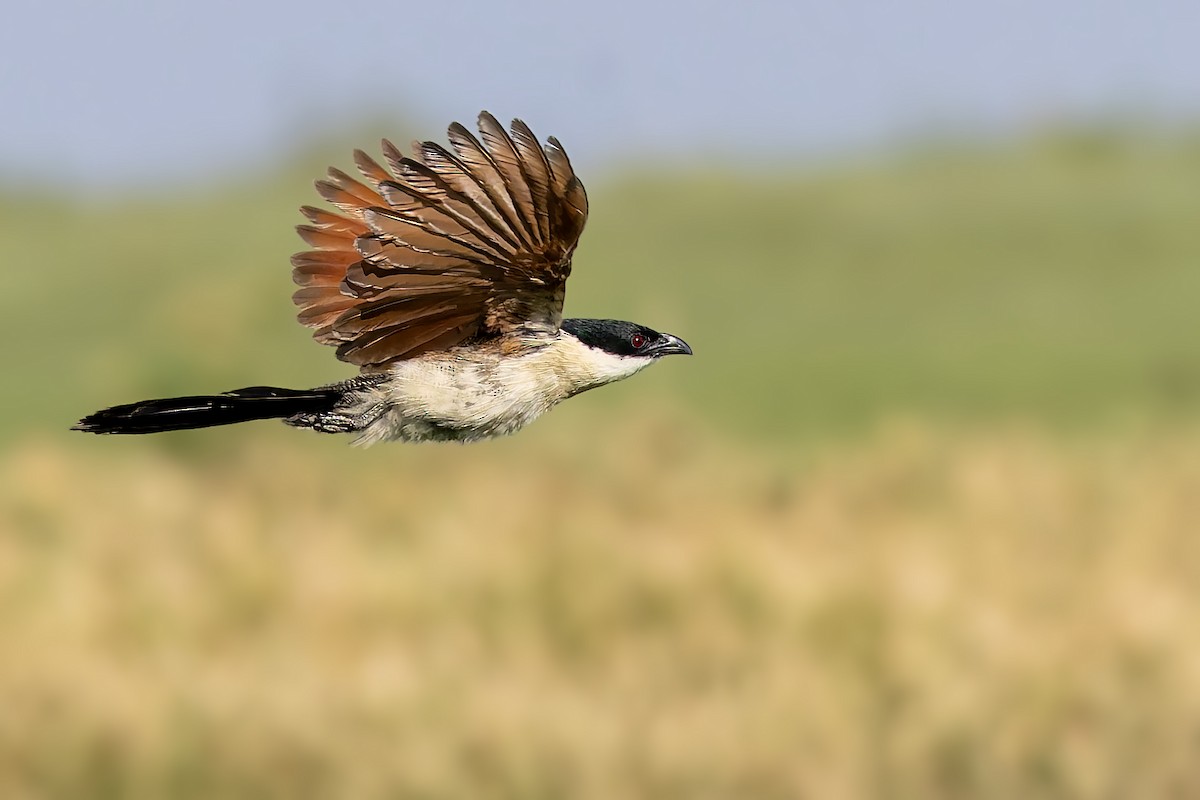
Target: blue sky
132,92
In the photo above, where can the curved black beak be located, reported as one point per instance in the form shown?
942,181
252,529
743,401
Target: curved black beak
666,345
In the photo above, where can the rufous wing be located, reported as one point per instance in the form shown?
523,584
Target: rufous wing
442,246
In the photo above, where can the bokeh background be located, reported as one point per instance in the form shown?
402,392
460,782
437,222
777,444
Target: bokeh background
920,519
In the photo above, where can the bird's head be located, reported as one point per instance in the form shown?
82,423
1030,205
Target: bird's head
610,349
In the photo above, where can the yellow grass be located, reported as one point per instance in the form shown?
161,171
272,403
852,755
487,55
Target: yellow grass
644,611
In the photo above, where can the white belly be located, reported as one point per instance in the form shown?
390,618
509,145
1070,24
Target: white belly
455,399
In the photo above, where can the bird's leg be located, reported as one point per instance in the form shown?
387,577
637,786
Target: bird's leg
345,423
359,407
340,422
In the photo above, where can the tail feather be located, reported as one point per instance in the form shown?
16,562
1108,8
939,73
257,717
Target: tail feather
203,411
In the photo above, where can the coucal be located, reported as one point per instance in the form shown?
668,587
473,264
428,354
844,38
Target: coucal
442,278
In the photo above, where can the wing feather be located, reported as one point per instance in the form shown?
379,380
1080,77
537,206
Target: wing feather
536,169
479,165
422,198
367,195
566,186
457,178
508,162
441,247
426,230
370,168
380,347
328,221
392,155
323,239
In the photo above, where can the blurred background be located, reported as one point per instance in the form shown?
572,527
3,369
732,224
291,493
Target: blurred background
918,520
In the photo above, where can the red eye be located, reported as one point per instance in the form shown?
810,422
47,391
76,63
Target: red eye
638,341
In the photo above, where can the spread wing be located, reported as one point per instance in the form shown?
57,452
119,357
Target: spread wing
446,245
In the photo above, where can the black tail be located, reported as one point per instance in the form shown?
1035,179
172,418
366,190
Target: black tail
181,413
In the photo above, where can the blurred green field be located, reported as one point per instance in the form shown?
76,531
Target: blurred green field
917,521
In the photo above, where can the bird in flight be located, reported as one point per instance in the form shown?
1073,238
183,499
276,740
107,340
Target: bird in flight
441,276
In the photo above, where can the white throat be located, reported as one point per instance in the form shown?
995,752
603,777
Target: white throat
588,367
